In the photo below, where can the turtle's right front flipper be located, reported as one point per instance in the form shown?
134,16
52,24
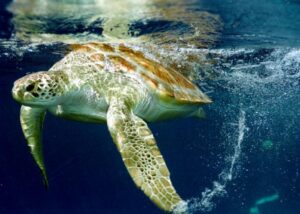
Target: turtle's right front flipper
32,121
142,157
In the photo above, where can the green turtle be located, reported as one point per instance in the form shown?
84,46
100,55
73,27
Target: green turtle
118,85
125,86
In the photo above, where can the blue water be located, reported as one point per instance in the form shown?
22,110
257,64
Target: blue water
242,159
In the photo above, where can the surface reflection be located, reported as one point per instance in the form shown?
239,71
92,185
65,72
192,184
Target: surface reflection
157,21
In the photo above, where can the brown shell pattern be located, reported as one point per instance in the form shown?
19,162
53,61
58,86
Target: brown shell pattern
166,82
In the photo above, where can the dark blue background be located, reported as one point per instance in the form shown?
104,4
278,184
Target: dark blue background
86,173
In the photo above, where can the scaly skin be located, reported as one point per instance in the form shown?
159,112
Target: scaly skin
81,89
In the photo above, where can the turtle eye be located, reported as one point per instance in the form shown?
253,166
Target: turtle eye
30,87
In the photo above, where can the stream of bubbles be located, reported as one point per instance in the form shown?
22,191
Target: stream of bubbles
206,203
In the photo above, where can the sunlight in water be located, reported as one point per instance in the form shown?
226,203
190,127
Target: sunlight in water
205,203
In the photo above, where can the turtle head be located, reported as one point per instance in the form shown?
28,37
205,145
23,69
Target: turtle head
38,89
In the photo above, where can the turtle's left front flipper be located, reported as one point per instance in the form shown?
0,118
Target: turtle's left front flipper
141,156
32,121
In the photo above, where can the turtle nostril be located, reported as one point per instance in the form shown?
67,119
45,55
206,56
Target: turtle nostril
30,87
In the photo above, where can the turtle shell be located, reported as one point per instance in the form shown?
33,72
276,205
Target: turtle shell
167,83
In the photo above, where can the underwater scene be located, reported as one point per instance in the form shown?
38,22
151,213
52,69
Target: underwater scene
230,147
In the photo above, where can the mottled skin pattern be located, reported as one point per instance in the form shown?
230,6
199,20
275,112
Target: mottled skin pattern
117,85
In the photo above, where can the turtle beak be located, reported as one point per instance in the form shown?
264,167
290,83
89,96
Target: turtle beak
17,92
22,97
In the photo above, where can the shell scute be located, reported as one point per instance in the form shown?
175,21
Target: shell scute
168,75
81,48
126,50
165,82
97,57
103,46
122,63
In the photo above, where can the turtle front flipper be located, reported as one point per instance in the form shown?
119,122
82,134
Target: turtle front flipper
32,122
141,156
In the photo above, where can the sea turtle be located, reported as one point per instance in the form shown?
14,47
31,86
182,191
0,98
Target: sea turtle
140,69
120,86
